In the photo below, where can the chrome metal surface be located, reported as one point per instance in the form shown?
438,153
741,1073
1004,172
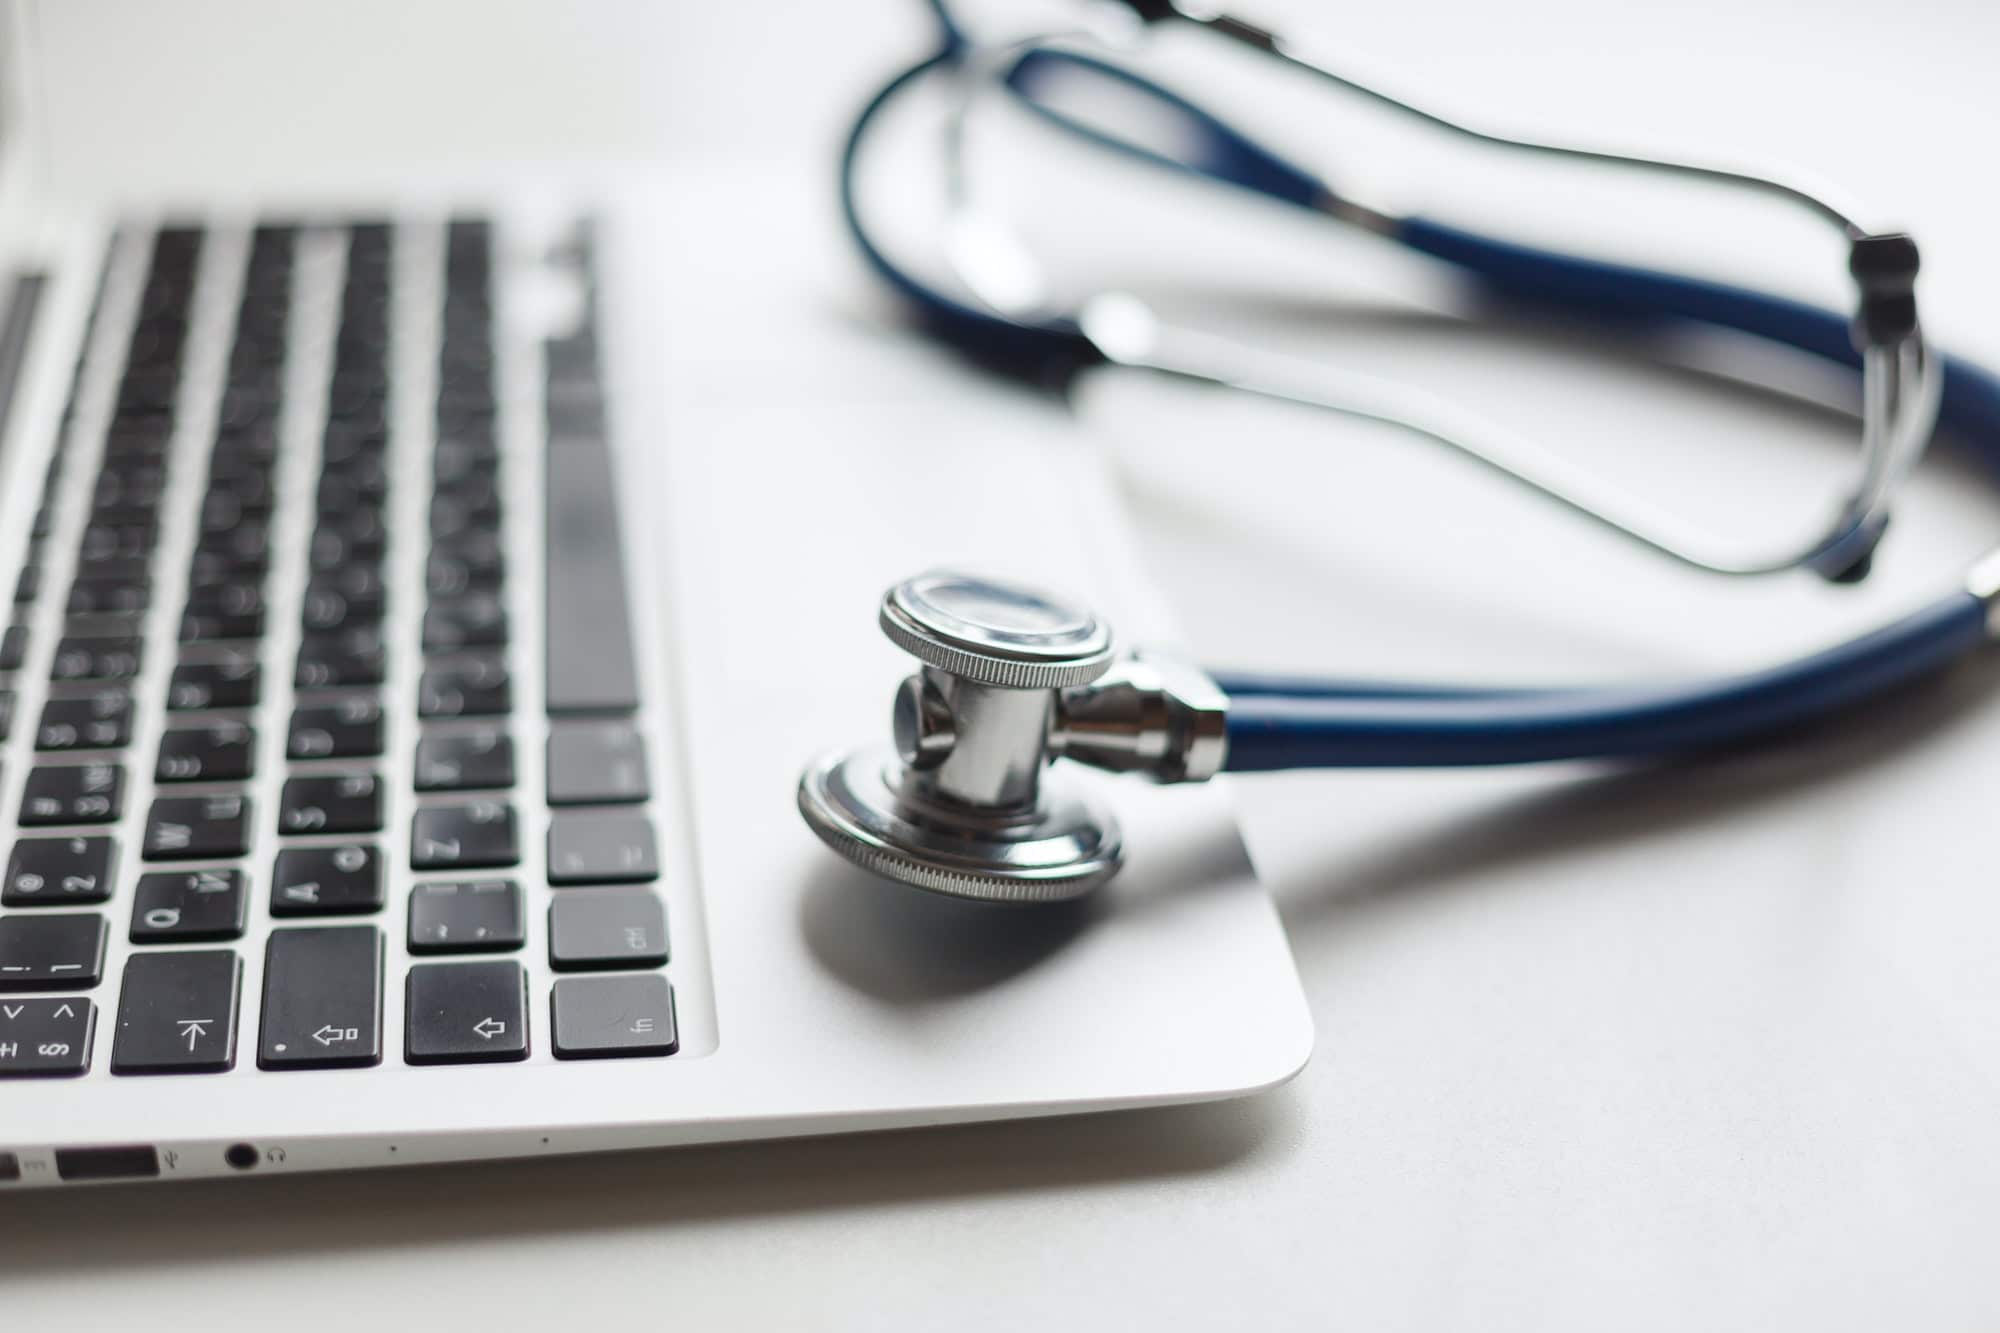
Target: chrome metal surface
862,806
1983,582
922,723
1901,396
995,632
1154,714
967,803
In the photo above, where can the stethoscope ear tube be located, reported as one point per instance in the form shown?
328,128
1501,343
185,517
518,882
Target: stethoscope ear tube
1333,723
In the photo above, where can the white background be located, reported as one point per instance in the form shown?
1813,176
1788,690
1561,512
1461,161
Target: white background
1710,1047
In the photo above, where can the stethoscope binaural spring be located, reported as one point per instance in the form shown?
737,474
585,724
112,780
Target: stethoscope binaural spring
1014,678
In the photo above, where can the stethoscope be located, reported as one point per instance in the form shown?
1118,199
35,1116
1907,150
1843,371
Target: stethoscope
1012,678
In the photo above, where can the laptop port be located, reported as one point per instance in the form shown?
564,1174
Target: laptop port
107,1163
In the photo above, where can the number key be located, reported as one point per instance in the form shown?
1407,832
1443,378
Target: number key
217,752
60,871
232,682
73,794
100,720
349,729
473,687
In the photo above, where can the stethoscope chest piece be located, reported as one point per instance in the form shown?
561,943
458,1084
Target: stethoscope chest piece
966,804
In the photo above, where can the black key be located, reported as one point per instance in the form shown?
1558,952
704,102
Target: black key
109,625
197,828
232,682
601,847
13,647
591,666
7,698
455,514
465,761
29,586
468,687
100,720
73,794
596,763
349,729
113,568
212,565
331,803
51,952
176,906
97,657
476,835
605,1017
465,1013
322,998
326,881
476,916
333,549
96,596
62,871
177,1013
329,607
215,752
598,929
450,575
223,611
480,553
477,620
246,545
117,541
332,661
45,1038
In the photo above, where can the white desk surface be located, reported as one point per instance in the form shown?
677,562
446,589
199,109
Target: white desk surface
1705,1048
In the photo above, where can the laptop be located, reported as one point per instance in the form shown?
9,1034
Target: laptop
422,596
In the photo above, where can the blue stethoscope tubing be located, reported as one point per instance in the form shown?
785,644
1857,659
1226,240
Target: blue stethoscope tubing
1285,722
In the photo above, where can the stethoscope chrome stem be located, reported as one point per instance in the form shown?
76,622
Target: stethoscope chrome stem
1012,679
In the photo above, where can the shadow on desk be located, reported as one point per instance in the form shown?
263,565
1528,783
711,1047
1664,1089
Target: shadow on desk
400,1208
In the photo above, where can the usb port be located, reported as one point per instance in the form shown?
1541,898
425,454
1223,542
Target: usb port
106,1163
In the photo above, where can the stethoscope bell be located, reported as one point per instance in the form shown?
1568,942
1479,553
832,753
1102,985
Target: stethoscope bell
966,804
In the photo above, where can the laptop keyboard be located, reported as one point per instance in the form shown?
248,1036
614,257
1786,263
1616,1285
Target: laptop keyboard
268,752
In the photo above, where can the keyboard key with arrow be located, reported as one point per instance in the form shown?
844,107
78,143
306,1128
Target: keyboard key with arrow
322,998
466,1013
177,1013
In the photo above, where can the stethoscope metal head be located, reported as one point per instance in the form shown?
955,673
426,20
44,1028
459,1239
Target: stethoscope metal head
969,802
962,805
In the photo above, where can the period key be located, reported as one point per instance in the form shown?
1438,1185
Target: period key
322,998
